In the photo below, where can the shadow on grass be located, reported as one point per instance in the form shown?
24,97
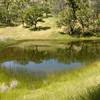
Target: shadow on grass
95,94
91,94
26,26
8,25
40,28
62,33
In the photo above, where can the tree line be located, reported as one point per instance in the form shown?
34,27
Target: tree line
77,16
14,12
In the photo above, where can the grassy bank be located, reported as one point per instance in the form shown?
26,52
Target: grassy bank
82,84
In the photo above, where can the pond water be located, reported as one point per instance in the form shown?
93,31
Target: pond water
40,60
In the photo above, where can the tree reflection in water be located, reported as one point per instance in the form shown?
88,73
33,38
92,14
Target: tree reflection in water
47,59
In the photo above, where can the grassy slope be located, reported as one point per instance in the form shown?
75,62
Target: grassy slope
24,33
20,33
76,85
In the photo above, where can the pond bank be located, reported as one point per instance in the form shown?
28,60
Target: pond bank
10,41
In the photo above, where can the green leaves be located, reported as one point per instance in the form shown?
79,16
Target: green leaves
32,16
78,17
9,12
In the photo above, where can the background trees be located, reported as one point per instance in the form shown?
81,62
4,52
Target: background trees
8,12
65,18
78,16
27,12
56,6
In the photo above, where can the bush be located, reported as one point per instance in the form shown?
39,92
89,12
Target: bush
32,16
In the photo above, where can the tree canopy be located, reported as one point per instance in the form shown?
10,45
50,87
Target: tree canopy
78,16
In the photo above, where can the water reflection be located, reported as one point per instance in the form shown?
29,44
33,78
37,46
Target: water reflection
45,66
50,59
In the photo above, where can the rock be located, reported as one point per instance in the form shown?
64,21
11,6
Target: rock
4,88
77,48
14,84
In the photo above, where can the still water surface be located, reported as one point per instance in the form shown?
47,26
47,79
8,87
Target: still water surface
46,59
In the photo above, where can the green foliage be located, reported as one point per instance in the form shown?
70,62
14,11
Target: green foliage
32,16
73,6
22,6
98,22
56,6
85,18
46,10
9,12
78,17
66,19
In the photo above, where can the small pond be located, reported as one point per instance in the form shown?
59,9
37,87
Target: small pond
42,59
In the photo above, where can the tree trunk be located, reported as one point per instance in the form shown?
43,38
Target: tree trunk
35,25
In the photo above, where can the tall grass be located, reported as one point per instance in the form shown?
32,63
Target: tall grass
78,84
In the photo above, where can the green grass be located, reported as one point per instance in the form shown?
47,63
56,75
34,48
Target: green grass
20,33
51,33
81,84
